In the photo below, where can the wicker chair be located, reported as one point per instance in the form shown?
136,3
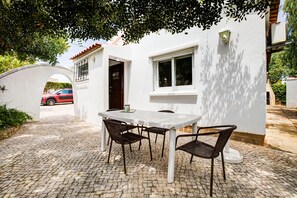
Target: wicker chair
123,127
114,129
204,150
158,131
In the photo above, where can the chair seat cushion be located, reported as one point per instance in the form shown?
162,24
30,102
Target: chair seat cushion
198,148
156,130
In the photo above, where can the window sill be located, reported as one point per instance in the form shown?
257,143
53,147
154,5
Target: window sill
82,81
175,93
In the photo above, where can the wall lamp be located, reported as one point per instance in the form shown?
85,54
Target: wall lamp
225,36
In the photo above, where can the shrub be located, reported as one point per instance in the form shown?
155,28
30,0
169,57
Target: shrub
280,92
12,117
56,86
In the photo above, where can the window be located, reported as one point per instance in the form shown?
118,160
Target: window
174,71
64,91
81,70
164,68
183,70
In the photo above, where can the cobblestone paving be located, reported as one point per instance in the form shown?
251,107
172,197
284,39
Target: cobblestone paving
60,157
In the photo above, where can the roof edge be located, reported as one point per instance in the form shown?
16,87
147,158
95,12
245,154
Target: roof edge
86,51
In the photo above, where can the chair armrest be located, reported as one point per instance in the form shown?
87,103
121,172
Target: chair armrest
213,127
194,135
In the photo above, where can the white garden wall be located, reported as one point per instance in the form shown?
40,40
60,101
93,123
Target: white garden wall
24,86
291,95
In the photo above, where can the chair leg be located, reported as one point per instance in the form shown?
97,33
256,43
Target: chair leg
140,140
130,147
149,139
108,140
156,138
123,148
191,159
163,143
223,165
109,151
211,176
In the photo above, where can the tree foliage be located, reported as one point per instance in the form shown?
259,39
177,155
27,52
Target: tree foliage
12,117
278,68
279,90
56,86
27,26
290,7
140,17
21,33
8,62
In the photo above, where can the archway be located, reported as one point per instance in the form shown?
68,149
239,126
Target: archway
24,86
57,99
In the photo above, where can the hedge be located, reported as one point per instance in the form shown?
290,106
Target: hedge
280,92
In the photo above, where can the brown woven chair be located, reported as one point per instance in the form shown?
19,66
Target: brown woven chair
201,149
158,131
123,127
114,129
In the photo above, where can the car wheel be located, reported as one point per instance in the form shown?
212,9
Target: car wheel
50,102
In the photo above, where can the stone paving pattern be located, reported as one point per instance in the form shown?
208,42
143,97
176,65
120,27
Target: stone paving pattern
60,156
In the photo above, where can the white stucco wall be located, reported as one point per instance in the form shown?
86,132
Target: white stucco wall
25,86
229,79
291,95
92,94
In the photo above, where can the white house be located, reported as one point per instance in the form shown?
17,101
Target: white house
193,72
291,93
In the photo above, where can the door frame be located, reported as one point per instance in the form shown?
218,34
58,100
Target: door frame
112,63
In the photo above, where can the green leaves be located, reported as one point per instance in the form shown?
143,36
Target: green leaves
140,17
290,57
12,117
8,62
23,22
279,90
278,68
56,86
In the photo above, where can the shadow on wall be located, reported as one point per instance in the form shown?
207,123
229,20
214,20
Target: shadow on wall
230,95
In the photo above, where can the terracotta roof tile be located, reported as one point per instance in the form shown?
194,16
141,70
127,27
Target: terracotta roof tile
86,51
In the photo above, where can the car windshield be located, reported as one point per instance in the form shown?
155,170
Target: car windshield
55,92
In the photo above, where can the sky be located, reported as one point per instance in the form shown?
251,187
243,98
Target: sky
74,48
281,15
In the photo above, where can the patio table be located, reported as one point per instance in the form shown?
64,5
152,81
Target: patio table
155,119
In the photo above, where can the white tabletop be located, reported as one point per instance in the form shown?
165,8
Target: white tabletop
153,118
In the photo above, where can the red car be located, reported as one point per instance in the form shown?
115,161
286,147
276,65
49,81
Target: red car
60,96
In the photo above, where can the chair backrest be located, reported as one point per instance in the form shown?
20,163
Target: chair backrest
223,138
114,130
166,111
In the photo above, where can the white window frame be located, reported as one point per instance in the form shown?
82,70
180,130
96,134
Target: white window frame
172,90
